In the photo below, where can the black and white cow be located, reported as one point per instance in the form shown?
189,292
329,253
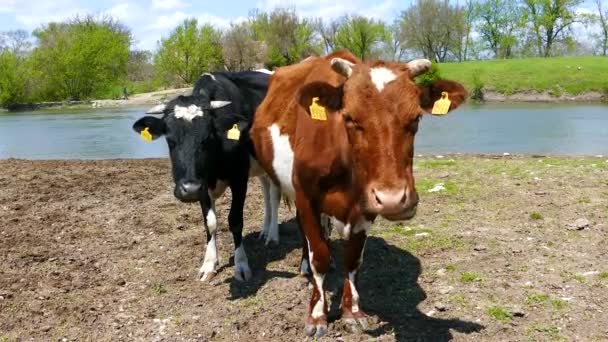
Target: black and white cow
205,159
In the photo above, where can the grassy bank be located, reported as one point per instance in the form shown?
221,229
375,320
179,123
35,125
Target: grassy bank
101,250
556,76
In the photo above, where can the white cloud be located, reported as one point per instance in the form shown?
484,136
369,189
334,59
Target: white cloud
330,9
7,6
169,5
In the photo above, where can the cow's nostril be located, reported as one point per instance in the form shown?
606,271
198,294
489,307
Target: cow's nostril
378,200
190,187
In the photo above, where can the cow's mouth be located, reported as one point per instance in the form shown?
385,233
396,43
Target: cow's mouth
402,216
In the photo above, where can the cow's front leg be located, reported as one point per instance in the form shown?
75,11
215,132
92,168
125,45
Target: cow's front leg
318,255
211,261
235,221
353,257
272,198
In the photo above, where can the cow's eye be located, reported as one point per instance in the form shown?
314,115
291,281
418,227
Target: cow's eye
350,122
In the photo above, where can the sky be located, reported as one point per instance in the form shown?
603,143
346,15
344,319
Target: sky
151,20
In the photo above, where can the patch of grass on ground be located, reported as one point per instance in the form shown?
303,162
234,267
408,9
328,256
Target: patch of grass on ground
551,331
509,76
469,277
424,185
536,216
536,298
559,304
450,268
500,314
604,275
434,164
159,289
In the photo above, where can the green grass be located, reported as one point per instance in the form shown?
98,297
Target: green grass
159,289
536,298
500,314
604,275
424,185
469,277
556,75
535,216
435,164
559,304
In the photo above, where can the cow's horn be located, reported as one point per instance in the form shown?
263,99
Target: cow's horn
342,67
219,104
158,109
418,66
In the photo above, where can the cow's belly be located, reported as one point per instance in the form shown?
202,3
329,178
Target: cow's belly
282,160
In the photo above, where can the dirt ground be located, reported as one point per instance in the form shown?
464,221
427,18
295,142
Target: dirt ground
100,250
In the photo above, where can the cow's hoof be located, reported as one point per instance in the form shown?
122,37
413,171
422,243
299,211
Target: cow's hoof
242,272
316,331
207,276
356,321
315,327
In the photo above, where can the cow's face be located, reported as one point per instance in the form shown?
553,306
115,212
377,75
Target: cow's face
379,108
192,129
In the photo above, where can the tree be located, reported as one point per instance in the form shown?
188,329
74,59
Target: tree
435,28
497,22
329,32
549,20
361,36
81,58
241,50
189,51
139,66
395,47
470,15
15,41
603,22
12,79
289,39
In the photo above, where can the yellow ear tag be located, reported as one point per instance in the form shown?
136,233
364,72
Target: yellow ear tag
234,133
317,111
442,106
145,134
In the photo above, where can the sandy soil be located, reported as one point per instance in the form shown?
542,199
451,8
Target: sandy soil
533,96
99,250
151,99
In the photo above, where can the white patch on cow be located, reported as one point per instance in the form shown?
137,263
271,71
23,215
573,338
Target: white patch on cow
317,310
342,228
282,162
211,261
241,264
211,221
208,74
265,71
381,76
218,104
362,225
353,291
187,113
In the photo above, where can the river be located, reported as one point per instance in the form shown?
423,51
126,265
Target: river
556,129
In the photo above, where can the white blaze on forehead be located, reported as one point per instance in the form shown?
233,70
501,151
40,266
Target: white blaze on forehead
187,113
381,76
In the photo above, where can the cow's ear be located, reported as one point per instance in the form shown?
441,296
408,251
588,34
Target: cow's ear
321,93
154,126
432,92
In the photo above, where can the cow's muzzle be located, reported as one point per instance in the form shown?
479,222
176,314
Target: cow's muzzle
187,191
394,204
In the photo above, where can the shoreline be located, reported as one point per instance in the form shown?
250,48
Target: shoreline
154,98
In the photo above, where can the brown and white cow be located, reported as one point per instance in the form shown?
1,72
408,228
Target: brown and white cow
351,167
